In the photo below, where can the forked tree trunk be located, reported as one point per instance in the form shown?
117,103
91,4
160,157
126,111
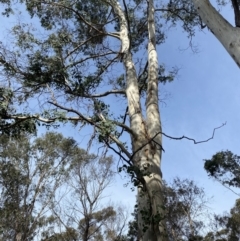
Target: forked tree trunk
147,138
228,35
153,196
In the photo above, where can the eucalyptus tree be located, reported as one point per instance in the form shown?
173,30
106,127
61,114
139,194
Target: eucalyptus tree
30,174
186,212
225,32
77,62
224,166
36,174
83,211
226,226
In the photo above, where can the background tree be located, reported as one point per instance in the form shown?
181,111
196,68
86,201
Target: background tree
67,235
80,35
33,174
81,211
132,234
30,174
225,227
186,212
224,167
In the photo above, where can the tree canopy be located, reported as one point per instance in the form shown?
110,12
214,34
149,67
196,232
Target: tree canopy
74,62
39,175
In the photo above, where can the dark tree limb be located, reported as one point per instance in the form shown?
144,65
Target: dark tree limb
110,92
175,138
191,139
235,4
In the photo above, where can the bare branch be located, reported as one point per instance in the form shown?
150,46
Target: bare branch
110,92
123,122
89,120
75,49
37,117
90,57
176,138
124,127
191,139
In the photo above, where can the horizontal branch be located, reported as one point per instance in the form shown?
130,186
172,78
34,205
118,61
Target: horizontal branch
191,139
110,92
114,35
125,127
90,57
173,10
89,120
37,117
81,116
76,48
175,138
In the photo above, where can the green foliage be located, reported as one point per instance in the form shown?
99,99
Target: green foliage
107,127
44,69
136,174
12,127
132,234
225,167
69,235
16,128
228,225
76,57
34,176
163,77
183,11
95,221
73,57
30,173
184,206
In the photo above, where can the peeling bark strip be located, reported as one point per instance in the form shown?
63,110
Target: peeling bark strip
228,35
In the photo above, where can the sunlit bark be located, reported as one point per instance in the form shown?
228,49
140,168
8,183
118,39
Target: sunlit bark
147,140
228,35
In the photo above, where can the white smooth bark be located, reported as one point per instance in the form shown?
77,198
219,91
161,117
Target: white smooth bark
152,152
228,35
146,138
132,91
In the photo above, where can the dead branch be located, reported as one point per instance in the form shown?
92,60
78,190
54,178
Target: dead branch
191,139
175,138
110,92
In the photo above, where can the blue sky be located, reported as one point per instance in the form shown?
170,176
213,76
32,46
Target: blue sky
204,95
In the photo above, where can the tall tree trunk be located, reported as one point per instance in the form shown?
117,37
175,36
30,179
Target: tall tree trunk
228,35
153,196
147,139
